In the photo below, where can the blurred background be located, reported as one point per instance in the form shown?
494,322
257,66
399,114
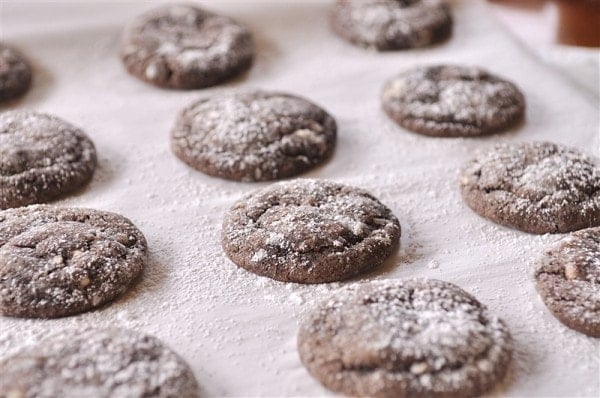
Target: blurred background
563,33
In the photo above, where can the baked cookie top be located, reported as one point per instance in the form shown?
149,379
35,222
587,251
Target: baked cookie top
309,231
253,135
567,278
62,261
392,24
452,101
15,73
404,338
537,187
99,363
42,158
185,47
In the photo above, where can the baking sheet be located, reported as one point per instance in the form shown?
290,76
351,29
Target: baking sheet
238,330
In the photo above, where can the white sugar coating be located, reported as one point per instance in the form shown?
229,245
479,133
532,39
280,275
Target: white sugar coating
175,45
62,261
41,157
538,187
238,330
452,100
391,24
413,337
568,280
309,231
101,363
253,135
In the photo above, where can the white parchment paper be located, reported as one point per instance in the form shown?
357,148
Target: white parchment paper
238,330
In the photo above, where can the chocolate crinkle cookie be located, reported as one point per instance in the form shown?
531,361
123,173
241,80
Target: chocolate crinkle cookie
452,101
42,158
97,363
15,73
392,24
537,187
62,261
309,231
253,135
567,278
185,47
405,338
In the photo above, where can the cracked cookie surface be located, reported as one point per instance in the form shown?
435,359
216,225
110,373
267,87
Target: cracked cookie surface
253,135
392,24
567,278
404,338
97,363
452,101
15,73
309,231
185,47
537,187
42,158
62,261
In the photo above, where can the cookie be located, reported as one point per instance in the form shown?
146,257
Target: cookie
15,73
405,338
185,47
42,158
452,101
62,261
567,278
97,363
392,24
253,135
309,231
537,187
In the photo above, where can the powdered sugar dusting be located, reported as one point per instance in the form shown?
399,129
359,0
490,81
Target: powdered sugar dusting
183,46
98,363
15,73
408,337
309,231
41,157
568,279
392,24
253,135
539,187
237,330
452,101
59,261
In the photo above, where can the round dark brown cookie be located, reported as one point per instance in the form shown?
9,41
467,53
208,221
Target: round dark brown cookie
309,231
392,24
452,101
62,261
15,73
99,363
41,158
185,47
567,278
253,135
537,187
405,338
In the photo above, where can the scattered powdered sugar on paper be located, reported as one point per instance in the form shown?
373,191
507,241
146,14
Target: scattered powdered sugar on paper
238,330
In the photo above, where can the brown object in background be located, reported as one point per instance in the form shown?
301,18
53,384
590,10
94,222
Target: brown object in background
578,20
579,23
